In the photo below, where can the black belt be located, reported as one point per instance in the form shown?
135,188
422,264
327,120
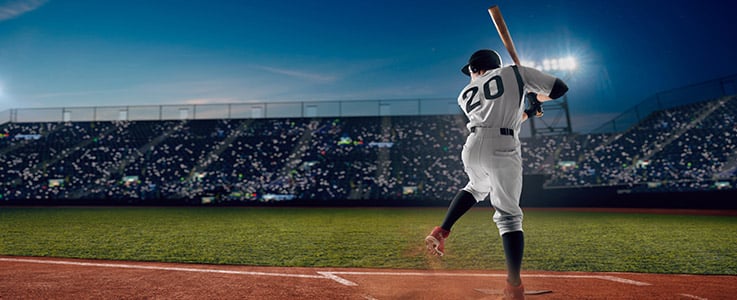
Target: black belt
502,131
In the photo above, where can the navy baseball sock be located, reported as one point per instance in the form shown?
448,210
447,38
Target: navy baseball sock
514,246
462,202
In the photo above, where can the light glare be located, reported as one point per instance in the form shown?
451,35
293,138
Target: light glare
555,64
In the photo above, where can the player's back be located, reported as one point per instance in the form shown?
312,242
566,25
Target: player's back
494,99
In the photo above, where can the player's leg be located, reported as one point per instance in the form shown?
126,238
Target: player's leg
477,187
513,242
464,199
514,248
462,202
506,182
509,224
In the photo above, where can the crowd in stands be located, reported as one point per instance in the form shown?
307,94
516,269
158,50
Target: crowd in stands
692,147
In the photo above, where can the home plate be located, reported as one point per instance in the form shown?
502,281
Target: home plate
501,292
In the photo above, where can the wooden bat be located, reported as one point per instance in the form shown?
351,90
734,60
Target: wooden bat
501,27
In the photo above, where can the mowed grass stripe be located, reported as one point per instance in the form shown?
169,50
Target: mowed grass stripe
372,237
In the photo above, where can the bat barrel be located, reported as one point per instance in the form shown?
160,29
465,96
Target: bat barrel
501,28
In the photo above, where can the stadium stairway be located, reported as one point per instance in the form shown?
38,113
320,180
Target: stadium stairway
296,156
51,160
214,155
116,170
657,147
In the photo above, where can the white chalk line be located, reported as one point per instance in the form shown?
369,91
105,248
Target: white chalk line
692,297
331,275
341,280
601,277
142,267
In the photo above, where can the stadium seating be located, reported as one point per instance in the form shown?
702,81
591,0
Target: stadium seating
692,147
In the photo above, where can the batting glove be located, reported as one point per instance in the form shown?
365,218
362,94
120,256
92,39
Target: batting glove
535,107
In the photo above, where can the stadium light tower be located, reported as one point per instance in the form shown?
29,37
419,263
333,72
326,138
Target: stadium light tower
566,66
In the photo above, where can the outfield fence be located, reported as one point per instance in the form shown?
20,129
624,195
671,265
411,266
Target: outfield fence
256,110
703,91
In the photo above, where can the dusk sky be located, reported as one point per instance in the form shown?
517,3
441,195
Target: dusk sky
56,53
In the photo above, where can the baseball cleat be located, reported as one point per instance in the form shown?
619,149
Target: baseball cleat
514,292
436,241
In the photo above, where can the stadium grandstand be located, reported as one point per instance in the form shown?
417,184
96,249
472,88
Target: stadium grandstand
669,149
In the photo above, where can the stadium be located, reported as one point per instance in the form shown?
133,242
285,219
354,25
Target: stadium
159,151
661,153
666,159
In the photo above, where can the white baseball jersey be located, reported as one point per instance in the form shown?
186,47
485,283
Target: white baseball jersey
495,99
491,156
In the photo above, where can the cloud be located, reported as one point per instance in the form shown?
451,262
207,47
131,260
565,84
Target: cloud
76,93
301,75
14,8
215,100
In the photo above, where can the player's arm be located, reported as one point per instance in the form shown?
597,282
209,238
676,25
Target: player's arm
543,98
559,89
546,86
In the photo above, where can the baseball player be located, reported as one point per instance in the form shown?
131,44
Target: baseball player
493,103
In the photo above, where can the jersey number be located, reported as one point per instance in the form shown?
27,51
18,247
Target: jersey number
493,88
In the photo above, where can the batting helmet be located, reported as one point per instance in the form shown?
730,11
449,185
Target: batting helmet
483,59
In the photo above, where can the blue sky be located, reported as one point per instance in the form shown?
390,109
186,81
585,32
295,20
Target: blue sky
57,53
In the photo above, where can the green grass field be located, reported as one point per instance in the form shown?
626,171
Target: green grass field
372,237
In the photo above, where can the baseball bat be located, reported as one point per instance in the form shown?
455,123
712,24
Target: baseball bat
501,28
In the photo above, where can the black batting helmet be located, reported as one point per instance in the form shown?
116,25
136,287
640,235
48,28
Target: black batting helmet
484,59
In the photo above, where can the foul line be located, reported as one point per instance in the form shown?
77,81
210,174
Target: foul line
601,277
141,267
332,275
692,297
337,278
